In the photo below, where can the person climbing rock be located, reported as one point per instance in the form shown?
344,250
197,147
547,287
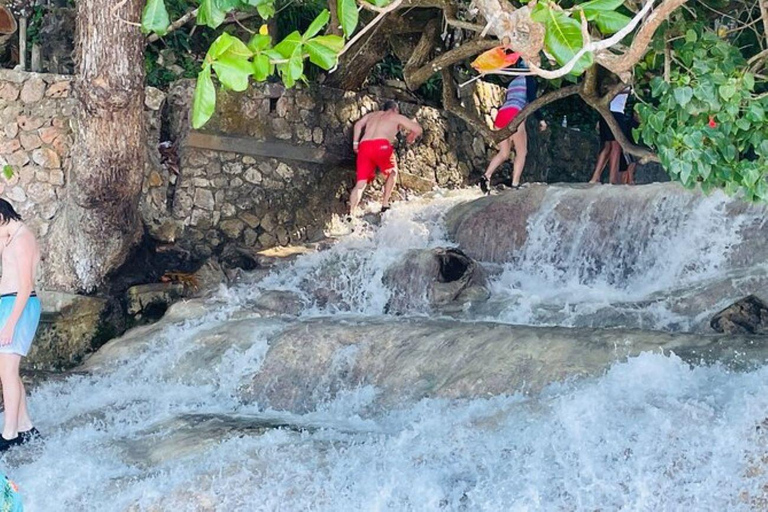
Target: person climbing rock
19,318
520,92
374,150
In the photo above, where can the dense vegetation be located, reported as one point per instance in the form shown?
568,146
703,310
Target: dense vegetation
696,67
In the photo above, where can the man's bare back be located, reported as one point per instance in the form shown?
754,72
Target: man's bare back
386,125
20,258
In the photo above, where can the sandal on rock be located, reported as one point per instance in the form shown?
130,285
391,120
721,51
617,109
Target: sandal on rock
485,185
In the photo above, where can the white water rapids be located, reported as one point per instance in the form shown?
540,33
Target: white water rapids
167,430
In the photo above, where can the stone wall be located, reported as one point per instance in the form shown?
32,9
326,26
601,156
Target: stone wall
37,126
272,166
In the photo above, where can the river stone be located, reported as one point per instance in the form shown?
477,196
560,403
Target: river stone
70,326
440,275
406,360
143,298
746,316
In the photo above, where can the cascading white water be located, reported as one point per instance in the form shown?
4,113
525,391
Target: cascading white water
154,432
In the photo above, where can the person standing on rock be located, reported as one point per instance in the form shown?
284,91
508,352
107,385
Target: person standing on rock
611,151
374,150
520,92
19,317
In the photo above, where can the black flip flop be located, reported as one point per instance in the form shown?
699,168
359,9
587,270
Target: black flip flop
485,185
385,208
29,435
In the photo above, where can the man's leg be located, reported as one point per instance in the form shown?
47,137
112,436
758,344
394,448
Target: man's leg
389,186
12,389
614,162
602,159
520,140
356,196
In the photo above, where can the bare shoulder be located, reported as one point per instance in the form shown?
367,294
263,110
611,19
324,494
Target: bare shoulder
26,241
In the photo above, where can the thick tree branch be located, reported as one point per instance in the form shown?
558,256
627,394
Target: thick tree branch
416,77
621,63
423,49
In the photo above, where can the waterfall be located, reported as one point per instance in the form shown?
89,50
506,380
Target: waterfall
166,418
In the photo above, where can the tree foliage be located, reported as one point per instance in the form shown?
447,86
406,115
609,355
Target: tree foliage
702,97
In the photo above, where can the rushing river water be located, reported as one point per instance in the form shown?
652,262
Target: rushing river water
168,428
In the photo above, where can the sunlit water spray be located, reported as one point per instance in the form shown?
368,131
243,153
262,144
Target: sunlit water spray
650,434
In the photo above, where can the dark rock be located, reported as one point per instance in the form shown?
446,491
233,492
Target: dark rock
443,276
746,316
152,300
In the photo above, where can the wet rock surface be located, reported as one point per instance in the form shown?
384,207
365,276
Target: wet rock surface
443,277
746,316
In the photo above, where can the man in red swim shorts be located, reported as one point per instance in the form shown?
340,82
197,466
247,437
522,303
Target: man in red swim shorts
374,150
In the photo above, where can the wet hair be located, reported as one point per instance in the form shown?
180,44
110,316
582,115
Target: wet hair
7,213
389,105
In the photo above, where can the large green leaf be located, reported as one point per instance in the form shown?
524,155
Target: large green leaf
8,171
348,16
204,100
296,64
210,14
155,18
610,22
601,5
232,62
233,71
335,43
320,54
563,40
287,46
317,25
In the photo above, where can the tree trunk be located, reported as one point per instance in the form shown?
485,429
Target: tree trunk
100,221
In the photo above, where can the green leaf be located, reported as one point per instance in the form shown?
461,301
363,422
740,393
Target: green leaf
683,95
610,22
8,171
691,36
262,68
348,16
727,91
601,5
266,10
155,18
563,40
287,46
317,25
233,71
320,54
259,43
379,3
209,14
296,64
335,43
220,46
540,12
204,100
232,62
749,81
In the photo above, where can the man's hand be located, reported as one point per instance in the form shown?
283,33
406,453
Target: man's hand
411,138
6,335
355,147
542,125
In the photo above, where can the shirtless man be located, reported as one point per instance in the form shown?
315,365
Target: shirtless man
379,130
19,316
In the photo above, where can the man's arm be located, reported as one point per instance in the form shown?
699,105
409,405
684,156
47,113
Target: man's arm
359,126
25,270
413,127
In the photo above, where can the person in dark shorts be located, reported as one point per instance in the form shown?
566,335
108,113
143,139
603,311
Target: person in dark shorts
611,150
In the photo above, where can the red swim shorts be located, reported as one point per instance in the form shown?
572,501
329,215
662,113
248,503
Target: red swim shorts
505,116
371,154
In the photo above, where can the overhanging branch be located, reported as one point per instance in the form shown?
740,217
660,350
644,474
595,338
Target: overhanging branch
416,77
